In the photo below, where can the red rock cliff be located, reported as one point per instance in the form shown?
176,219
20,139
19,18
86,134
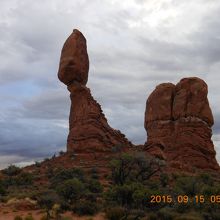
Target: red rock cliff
178,122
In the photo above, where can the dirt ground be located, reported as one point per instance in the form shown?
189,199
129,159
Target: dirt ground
7,214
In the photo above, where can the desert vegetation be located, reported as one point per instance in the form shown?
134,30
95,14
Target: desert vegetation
133,180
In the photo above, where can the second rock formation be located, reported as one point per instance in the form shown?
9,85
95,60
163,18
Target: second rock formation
178,122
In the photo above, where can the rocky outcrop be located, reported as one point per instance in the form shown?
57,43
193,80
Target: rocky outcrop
178,118
89,130
178,122
74,60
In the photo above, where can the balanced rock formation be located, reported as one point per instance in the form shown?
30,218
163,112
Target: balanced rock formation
178,122
74,60
88,128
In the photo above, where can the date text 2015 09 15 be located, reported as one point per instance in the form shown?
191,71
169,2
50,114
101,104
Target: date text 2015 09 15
184,199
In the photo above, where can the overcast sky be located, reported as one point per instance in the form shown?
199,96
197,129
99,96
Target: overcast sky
133,45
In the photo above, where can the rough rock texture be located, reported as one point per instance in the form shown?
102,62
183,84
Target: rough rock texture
178,122
191,100
178,118
88,128
74,60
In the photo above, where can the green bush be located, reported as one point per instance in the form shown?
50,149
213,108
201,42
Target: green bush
165,214
24,179
121,168
94,186
132,195
62,175
138,167
85,207
12,170
61,153
164,179
116,213
182,207
46,200
71,190
94,173
2,189
188,185
206,179
122,194
37,164
29,217
141,197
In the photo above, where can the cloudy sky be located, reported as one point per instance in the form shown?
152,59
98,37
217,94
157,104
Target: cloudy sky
133,46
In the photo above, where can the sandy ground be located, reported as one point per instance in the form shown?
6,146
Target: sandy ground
6,214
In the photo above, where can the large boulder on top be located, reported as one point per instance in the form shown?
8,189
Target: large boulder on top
74,60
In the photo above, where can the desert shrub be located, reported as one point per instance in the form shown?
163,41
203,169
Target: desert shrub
188,185
152,216
208,190
121,168
12,170
2,189
206,179
145,167
37,164
182,207
122,195
61,153
18,217
116,213
46,159
164,179
153,185
29,217
132,195
8,181
84,207
141,197
165,214
62,175
21,179
24,179
131,188
138,167
46,200
94,186
94,173
213,216
71,190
